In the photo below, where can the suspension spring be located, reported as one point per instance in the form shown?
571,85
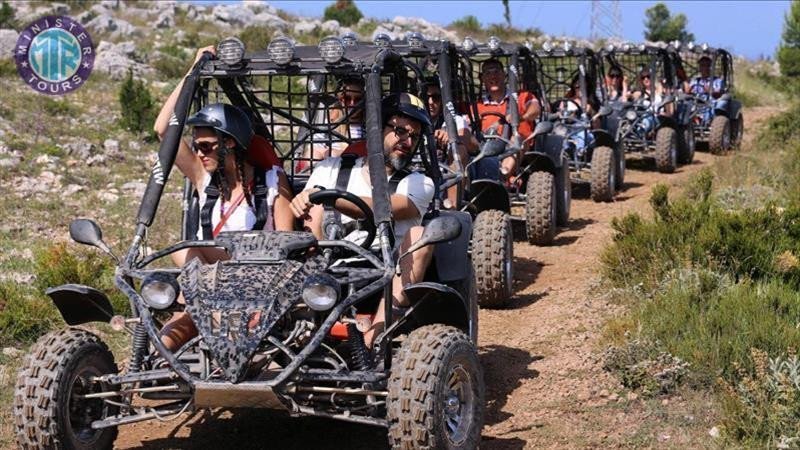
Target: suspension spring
139,348
358,349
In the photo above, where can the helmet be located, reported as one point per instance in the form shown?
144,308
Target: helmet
225,119
407,105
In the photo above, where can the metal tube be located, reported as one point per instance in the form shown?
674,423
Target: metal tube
334,390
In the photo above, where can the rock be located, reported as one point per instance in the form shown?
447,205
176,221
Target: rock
96,160
166,19
604,393
79,149
8,40
117,59
714,432
100,9
109,197
111,146
110,4
663,437
136,187
46,159
71,189
270,20
9,163
303,27
134,146
85,17
11,352
631,396
331,26
231,14
613,397
49,177
105,23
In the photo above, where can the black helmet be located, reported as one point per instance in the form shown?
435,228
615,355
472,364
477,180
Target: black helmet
226,119
407,105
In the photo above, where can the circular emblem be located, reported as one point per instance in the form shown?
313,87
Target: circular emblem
54,55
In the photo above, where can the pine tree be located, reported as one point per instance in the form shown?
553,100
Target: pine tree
343,11
662,26
789,51
136,103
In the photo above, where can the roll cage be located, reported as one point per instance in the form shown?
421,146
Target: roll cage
560,66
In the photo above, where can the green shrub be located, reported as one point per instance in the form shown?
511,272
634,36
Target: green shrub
24,315
172,62
467,24
343,11
256,37
136,104
7,15
7,67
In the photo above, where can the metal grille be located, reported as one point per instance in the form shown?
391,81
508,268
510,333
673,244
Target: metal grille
560,70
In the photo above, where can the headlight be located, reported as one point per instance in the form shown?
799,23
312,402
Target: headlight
281,50
382,40
528,44
320,292
626,47
704,47
468,44
350,40
677,44
690,45
567,47
560,129
416,40
493,43
610,48
331,49
630,115
642,47
547,46
159,290
230,51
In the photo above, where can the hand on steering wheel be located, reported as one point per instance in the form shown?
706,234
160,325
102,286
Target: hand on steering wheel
328,199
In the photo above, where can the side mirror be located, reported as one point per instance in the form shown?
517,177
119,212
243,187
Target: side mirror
440,229
543,128
85,231
602,112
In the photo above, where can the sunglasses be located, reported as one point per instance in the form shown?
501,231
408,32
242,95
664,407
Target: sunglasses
403,133
205,147
435,97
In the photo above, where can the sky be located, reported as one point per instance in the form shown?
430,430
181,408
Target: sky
749,28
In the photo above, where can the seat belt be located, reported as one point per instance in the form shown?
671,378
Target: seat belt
260,199
260,205
212,195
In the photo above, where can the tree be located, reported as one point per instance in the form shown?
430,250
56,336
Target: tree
507,12
467,24
7,16
343,11
662,26
789,51
136,103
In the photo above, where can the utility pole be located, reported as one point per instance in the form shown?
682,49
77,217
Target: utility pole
606,21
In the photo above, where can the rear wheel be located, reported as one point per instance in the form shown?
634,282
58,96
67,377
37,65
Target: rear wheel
620,175
719,139
564,191
686,144
666,150
436,391
603,174
737,131
49,407
493,257
540,208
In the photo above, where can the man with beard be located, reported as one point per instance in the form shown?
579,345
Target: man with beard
404,120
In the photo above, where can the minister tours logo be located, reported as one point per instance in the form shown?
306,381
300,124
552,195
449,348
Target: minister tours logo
54,55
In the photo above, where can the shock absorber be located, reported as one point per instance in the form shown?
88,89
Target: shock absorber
139,348
359,355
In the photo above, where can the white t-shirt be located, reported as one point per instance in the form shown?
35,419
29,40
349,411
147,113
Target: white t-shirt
243,217
416,186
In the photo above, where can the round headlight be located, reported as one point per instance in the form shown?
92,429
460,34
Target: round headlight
547,46
610,47
704,46
690,45
416,40
528,44
230,51
630,115
331,49
320,292
567,46
493,43
677,44
468,44
642,47
281,50
626,47
159,290
350,40
382,40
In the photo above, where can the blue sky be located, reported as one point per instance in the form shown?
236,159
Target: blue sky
749,28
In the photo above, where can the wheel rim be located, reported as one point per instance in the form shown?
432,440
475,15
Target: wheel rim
458,404
508,268
82,412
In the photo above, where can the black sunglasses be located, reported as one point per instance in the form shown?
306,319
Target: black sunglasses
403,133
205,146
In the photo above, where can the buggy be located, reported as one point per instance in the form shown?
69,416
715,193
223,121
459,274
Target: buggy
280,322
580,128
718,119
541,183
657,123
486,199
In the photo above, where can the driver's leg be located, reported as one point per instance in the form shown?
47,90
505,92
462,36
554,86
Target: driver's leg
412,270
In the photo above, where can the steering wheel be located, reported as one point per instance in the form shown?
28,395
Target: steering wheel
578,111
503,121
328,199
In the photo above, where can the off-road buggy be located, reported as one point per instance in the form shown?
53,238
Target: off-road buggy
541,183
718,119
280,323
486,199
656,123
580,126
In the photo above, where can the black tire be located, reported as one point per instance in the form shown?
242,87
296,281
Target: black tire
603,174
686,144
493,258
719,136
737,131
540,208
564,192
436,391
620,176
56,368
666,150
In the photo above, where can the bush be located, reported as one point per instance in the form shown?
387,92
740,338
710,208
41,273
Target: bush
172,62
7,15
343,11
256,37
24,315
467,24
7,67
136,104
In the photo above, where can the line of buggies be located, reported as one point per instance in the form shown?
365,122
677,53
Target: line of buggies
280,322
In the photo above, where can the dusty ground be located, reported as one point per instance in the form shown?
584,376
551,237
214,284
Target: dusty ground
545,384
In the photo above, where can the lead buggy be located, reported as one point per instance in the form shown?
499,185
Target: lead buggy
280,321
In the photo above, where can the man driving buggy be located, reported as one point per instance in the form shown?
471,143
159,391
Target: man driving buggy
703,84
404,121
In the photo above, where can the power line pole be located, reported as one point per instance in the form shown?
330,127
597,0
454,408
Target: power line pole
606,20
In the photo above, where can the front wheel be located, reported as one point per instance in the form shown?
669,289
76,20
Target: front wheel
564,193
603,174
719,139
686,144
620,158
493,257
666,150
436,391
49,405
540,208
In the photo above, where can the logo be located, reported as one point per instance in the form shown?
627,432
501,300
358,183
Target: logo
54,55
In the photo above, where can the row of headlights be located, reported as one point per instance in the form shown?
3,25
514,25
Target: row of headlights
281,49
160,291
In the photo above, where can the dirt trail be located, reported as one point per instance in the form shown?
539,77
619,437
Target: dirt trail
545,384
